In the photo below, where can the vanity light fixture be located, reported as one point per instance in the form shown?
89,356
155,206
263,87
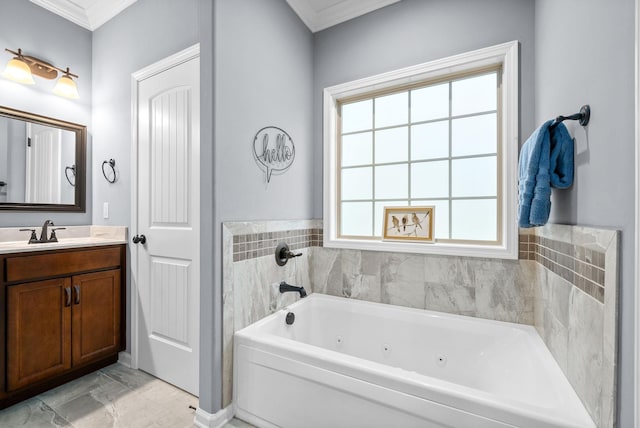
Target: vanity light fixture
22,68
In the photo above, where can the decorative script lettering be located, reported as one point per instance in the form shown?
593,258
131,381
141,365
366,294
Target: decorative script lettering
278,155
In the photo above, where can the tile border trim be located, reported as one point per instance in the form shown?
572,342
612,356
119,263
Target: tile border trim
581,266
254,245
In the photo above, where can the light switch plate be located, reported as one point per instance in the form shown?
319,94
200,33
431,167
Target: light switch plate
105,210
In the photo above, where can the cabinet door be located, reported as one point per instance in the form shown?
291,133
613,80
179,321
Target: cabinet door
38,331
96,316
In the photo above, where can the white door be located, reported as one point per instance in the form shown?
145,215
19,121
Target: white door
43,171
168,215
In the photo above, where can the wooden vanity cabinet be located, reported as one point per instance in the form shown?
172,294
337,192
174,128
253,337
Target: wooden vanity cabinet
95,316
38,331
64,317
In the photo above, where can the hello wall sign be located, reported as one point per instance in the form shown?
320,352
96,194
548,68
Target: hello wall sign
273,151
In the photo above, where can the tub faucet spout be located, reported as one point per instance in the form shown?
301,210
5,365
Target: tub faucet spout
284,287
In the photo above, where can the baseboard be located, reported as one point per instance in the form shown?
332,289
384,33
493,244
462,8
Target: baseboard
124,358
218,420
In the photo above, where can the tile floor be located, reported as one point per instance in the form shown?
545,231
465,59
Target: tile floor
115,396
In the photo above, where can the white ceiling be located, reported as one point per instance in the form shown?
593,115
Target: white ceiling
316,14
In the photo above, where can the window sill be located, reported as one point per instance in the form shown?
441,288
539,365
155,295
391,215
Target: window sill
441,249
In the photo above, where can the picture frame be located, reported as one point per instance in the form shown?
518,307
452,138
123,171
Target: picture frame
409,224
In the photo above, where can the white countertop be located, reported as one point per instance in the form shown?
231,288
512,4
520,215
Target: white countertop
12,240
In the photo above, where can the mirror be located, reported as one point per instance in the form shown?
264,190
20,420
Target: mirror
42,163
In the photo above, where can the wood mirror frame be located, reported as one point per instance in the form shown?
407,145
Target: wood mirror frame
80,132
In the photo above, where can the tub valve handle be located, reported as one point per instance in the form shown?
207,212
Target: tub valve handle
283,254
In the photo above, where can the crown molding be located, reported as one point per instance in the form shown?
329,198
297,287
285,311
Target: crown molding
102,11
67,10
344,10
315,17
90,18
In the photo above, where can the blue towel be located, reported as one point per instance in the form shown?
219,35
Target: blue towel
546,160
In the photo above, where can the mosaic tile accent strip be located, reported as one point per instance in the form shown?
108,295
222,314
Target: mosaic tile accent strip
253,245
582,267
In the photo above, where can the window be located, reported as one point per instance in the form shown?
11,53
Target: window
443,134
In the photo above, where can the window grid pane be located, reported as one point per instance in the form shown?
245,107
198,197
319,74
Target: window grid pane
404,140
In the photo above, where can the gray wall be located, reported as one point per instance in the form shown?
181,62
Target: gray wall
415,31
40,33
263,71
264,74
599,72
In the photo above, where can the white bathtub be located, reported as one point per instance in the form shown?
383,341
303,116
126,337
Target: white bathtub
348,363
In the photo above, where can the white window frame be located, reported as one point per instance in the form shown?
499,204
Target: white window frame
504,55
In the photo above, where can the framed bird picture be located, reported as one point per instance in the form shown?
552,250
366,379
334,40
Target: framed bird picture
408,224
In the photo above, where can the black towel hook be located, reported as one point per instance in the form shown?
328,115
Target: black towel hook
582,117
112,164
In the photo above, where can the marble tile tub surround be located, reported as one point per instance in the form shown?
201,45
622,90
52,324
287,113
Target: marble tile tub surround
578,325
486,288
250,283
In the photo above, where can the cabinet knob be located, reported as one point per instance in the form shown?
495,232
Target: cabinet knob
139,238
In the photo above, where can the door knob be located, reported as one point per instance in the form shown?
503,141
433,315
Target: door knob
139,238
